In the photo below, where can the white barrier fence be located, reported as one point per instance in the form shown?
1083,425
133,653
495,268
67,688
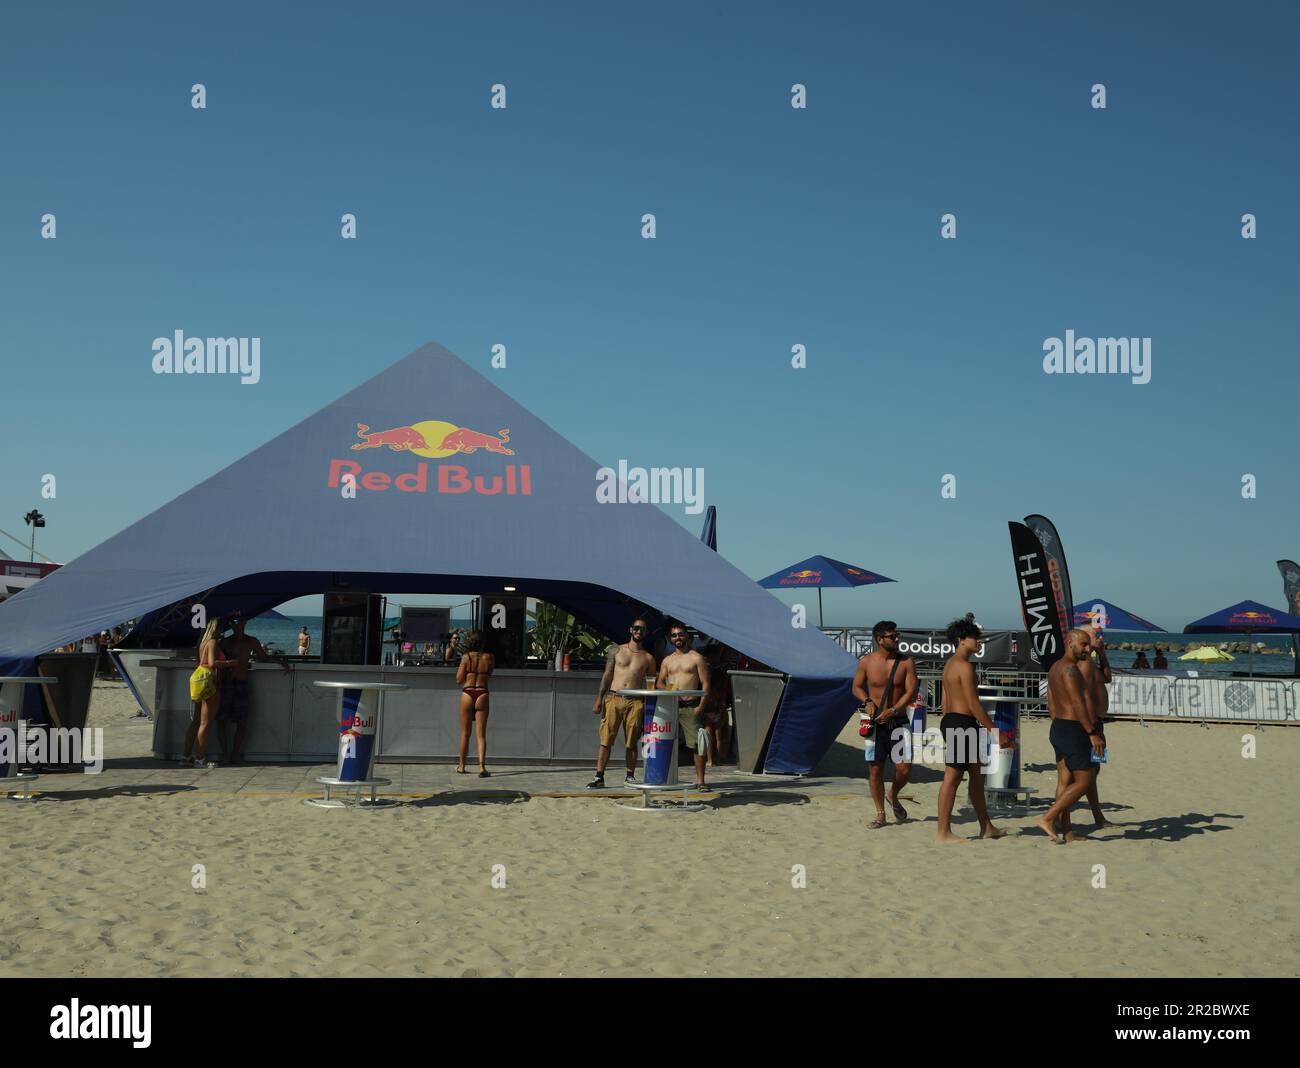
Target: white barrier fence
1204,699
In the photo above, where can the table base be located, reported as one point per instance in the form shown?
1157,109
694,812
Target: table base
647,805
352,802
24,792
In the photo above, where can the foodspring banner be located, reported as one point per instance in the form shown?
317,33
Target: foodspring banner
998,647
1038,600
1057,571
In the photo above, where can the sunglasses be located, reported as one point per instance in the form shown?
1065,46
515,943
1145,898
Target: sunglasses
638,628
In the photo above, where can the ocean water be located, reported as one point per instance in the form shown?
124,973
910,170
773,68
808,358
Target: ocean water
1261,664
283,633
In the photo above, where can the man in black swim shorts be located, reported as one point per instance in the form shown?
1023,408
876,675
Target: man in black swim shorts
966,728
1075,733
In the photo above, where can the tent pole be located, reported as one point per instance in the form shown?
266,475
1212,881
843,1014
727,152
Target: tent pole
820,622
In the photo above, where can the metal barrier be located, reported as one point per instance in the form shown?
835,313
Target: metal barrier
1248,700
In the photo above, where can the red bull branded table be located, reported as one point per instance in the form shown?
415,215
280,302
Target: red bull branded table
360,704
13,689
659,751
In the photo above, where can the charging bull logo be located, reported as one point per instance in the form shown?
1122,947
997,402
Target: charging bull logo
802,578
433,438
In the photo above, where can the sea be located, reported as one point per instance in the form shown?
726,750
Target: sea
1269,663
282,633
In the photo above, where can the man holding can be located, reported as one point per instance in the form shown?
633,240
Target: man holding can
886,684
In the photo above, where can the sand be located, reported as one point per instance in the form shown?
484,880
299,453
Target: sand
1200,877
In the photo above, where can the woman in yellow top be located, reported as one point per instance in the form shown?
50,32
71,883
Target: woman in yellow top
472,675
211,657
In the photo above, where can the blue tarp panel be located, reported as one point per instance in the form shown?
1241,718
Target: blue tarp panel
458,488
812,713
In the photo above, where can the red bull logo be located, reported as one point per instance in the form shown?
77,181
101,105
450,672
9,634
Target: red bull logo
802,578
1253,617
435,439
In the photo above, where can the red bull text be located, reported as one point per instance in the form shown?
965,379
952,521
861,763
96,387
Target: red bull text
515,480
356,738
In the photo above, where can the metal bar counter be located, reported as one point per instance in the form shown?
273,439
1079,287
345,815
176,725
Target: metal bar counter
536,715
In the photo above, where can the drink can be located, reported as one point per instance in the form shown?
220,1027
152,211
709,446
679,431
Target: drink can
357,720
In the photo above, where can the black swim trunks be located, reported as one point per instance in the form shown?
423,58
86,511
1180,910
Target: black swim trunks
1072,744
961,740
893,740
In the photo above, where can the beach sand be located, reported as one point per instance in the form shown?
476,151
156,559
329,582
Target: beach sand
1200,877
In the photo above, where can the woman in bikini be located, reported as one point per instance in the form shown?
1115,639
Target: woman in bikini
209,656
472,675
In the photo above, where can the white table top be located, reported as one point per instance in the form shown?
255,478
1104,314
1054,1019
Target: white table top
659,693
369,684
27,678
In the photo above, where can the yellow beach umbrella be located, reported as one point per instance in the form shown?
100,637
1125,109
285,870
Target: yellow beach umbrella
1208,654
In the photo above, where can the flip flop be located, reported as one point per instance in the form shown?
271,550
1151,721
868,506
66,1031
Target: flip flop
876,824
900,813
460,771
485,775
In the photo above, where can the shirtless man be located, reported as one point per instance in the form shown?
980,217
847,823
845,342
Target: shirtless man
1095,675
626,668
239,648
965,726
891,726
1074,733
304,642
685,669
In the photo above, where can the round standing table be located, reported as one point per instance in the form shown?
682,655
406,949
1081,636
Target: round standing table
13,689
659,770
360,704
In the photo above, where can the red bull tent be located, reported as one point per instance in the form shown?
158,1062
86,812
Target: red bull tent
458,489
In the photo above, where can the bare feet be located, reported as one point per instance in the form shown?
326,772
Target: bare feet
993,832
949,837
1101,822
1045,825
1075,836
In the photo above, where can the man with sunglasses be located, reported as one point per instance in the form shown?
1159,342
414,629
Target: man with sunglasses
886,684
686,669
626,668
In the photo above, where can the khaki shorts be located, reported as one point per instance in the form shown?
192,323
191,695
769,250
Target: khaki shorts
688,722
627,712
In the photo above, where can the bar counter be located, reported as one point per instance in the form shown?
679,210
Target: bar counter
536,715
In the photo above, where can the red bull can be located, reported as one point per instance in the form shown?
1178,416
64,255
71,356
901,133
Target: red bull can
357,721
660,741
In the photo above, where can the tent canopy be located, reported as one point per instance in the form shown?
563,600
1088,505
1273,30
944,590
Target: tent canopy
387,490
1112,616
1245,616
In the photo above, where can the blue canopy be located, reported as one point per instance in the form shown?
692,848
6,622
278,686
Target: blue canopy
385,490
1245,616
1112,615
820,571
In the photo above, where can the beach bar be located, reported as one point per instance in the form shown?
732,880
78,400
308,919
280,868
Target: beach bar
427,479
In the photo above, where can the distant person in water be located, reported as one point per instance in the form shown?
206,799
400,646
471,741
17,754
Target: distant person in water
1140,662
965,727
472,674
1161,663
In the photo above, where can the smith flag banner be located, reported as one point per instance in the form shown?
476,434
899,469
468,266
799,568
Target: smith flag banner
1057,572
1037,598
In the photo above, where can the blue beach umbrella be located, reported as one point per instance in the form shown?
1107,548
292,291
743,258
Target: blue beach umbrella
1110,617
820,571
1248,617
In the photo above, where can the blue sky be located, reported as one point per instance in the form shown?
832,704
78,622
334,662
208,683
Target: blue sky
775,227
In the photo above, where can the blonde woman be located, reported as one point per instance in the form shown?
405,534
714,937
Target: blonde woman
211,657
